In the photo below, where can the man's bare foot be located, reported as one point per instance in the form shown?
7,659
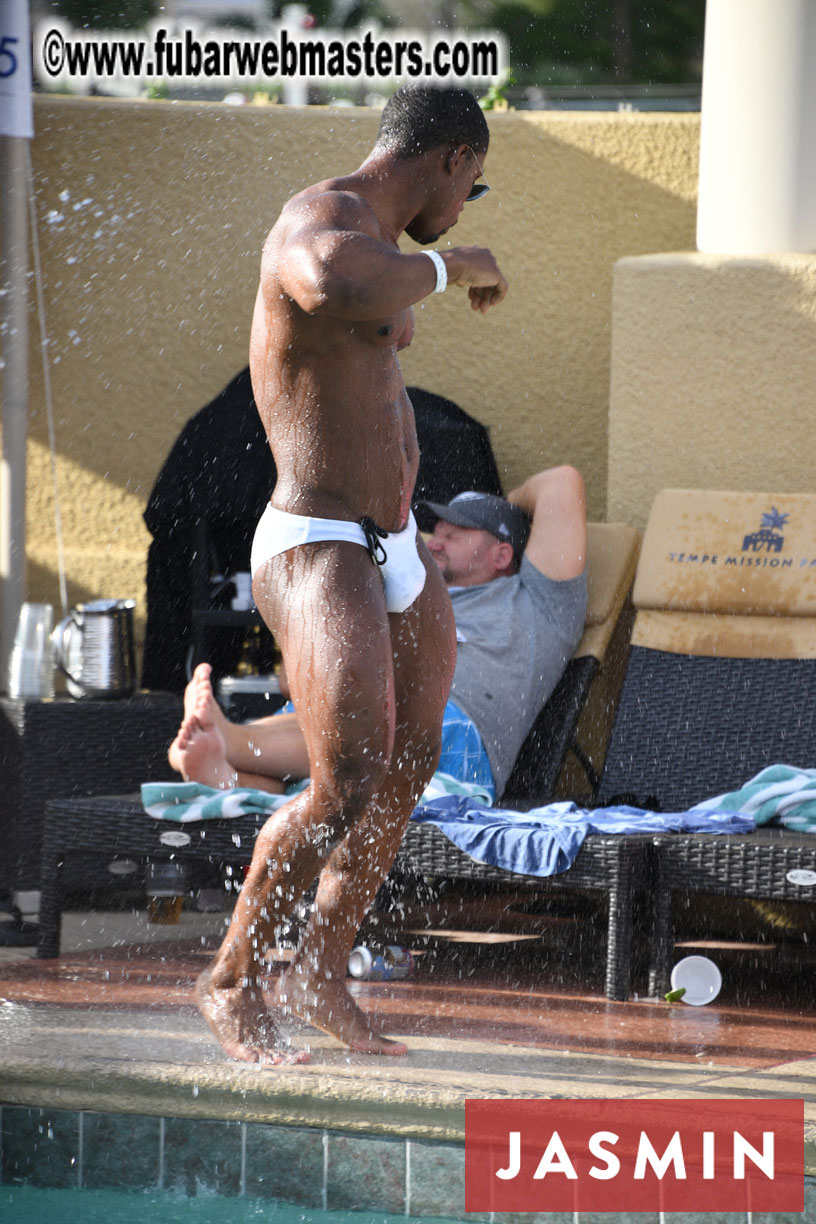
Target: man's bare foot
199,704
201,675
199,754
199,698
245,1029
328,1006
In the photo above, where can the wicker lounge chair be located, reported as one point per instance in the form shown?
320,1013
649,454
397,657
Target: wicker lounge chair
613,864
721,682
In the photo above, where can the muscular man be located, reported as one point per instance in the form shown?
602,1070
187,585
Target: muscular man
518,589
339,575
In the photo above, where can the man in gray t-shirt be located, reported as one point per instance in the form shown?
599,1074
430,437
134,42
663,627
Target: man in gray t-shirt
515,570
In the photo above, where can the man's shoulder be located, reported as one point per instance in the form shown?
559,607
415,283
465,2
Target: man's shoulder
529,575
528,586
332,204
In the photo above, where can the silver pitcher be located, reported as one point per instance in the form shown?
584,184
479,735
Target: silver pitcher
94,648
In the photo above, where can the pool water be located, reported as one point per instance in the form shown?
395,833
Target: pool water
34,1204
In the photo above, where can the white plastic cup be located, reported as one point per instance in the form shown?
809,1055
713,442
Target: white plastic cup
699,977
31,665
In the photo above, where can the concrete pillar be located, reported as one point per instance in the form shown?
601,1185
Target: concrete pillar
758,133
712,378
14,382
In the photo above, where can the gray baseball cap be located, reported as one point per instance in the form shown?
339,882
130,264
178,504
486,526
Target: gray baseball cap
486,512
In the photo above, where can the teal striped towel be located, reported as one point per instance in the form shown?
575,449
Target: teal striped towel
779,795
187,801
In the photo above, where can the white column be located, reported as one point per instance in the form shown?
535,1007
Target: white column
14,317
758,132
16,127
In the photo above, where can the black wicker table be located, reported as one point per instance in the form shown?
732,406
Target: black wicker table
64,748
617,864
108,835
771,864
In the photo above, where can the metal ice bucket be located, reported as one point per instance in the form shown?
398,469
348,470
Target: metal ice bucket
94,648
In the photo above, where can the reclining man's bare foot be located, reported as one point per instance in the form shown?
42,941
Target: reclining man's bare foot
202,673
199,698
200,706
246,1030
199,754
328,1006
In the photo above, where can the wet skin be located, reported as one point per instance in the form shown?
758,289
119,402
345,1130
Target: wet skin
332,311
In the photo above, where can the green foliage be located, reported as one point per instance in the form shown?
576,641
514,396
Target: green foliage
106,14
496,96
603,41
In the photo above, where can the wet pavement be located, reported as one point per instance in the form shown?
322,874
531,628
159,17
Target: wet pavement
111,1025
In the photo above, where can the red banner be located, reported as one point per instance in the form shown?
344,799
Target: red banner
608,1155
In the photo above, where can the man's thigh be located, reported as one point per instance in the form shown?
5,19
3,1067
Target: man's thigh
325,605
424,647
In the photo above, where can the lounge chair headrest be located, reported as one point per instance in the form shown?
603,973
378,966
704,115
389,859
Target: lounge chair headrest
747,554
612,551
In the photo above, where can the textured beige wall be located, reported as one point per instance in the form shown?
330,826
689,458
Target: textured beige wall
151,220
713,380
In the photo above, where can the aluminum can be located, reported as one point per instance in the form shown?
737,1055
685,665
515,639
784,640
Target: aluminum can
390,965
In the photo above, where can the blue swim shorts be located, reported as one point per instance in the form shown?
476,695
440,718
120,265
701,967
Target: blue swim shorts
463,754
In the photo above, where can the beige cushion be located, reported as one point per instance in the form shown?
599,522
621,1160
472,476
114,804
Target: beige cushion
612,553
743,553
727,637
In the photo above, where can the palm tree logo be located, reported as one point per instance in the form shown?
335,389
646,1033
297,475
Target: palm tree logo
769,536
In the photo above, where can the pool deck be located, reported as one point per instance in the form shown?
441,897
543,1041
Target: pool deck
111,1026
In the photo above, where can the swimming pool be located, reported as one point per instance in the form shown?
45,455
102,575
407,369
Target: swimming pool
33,1204
248,1168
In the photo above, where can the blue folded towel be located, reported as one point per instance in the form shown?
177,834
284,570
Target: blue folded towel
545,841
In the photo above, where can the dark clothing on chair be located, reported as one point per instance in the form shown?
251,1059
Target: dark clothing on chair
218,477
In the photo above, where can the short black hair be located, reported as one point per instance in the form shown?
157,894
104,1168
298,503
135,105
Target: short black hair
418,118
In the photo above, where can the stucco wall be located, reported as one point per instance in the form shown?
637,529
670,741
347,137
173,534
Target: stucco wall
151,220
713,377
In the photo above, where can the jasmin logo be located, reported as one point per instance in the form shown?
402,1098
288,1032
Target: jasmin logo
605,1155
669,1163
769,537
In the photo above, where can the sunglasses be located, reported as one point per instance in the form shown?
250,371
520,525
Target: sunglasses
478,189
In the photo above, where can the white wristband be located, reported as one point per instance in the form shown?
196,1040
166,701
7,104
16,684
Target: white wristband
441,270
